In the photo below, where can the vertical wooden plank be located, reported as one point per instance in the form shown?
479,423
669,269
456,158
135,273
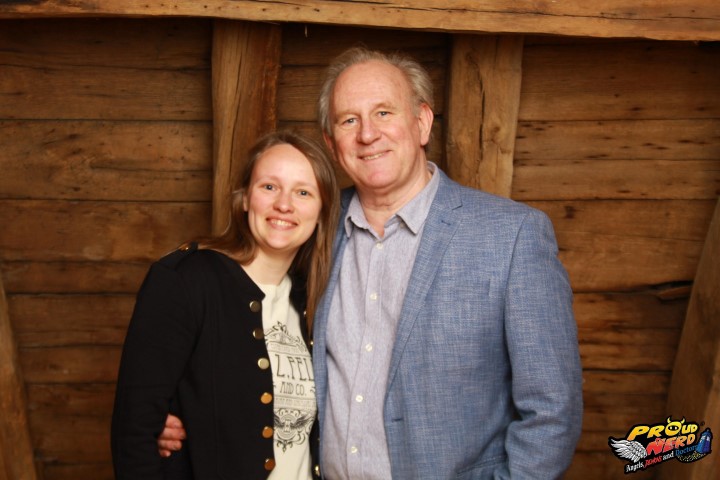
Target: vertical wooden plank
483,103
695,386
245,67
16,451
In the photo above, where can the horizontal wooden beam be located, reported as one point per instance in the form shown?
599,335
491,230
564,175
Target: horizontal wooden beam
661,19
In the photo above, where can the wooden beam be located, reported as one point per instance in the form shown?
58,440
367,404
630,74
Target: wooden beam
245,68
661,19
16,451
482,110
695,386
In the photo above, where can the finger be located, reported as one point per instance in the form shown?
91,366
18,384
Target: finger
169,445
172,421
171,434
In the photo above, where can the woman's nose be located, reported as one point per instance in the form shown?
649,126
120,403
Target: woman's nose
283,202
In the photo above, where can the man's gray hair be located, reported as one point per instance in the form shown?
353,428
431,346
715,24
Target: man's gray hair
416,75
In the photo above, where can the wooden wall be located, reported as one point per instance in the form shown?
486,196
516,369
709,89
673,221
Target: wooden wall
106,135
619,142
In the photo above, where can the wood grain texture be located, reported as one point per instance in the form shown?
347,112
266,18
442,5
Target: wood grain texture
623,245
16,451
45,230
695,391
481,119
109,69
245,65
605,81
110,161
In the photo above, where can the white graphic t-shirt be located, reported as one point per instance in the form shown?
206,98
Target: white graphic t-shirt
293,383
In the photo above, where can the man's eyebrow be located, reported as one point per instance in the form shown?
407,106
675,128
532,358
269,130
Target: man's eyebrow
384,105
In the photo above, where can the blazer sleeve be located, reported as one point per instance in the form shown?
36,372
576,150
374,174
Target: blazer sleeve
543,349
159,342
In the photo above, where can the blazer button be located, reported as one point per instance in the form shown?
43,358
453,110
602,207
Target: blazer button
266,398
267,432
255,306
316,471
258,334
269,464
263,363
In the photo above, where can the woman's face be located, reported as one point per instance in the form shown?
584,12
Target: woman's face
282,201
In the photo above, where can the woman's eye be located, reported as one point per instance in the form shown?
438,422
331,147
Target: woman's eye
268,187
303,193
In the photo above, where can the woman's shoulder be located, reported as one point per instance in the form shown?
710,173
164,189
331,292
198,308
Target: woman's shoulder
189,257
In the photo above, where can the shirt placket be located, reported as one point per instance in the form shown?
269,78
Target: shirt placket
365,392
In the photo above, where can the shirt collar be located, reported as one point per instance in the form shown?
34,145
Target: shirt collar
413,213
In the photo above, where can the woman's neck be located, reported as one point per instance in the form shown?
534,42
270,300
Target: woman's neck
266,270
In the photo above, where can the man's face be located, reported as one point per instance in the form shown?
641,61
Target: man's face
378,135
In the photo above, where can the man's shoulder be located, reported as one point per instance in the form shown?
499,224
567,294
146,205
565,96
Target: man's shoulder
473,200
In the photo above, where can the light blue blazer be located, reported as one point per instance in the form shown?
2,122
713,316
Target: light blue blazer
485,378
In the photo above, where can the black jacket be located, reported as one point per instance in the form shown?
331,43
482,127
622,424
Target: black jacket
192,348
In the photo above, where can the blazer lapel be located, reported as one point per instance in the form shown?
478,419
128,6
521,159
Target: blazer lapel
323,311
440,227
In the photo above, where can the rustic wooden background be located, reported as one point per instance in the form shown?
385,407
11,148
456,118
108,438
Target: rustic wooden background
106,154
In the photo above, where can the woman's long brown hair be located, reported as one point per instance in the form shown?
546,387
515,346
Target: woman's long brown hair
314,258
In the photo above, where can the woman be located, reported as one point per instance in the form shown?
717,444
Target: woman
218,335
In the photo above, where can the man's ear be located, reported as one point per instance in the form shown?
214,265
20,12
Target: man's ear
425,121
329,143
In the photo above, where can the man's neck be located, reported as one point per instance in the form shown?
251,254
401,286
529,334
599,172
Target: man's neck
380,206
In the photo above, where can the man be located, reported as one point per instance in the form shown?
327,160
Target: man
445,346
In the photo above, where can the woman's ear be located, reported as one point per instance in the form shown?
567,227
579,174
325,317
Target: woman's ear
244,200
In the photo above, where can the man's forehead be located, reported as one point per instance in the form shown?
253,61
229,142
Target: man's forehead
372,69
378,84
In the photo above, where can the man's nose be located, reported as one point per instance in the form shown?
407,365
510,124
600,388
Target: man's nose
368,131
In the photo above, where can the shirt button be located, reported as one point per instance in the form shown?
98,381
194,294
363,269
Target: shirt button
379,245
353,449
368,347
359,398
373,296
